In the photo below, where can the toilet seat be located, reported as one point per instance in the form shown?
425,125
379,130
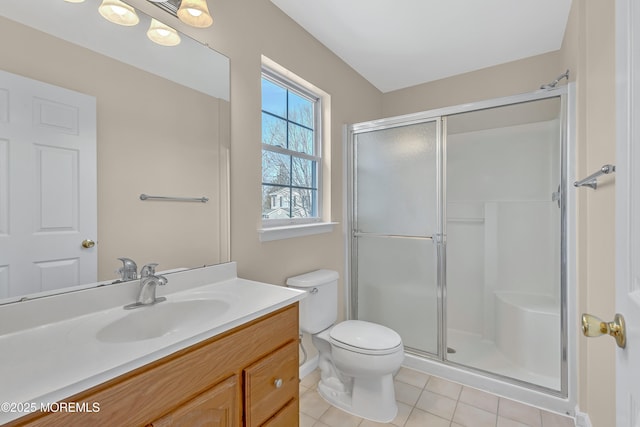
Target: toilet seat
365,337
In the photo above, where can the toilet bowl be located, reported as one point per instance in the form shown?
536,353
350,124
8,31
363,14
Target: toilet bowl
357,359
355,376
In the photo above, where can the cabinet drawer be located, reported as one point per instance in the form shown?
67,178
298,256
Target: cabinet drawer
270,384
289,416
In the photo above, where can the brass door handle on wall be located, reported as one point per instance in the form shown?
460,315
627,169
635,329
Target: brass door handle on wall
592,326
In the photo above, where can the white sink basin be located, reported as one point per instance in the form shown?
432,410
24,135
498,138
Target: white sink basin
154,321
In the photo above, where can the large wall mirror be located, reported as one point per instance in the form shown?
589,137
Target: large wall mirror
160,127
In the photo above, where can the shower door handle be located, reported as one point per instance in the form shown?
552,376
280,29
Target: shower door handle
555,196
438,238
593,326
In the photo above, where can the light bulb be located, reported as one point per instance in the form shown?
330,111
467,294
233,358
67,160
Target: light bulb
195,13
162,34
118,12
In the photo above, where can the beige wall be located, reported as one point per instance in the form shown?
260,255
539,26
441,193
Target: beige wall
245,30
143,146
512,78
589,49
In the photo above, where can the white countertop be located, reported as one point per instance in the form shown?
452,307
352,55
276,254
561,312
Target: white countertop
49,362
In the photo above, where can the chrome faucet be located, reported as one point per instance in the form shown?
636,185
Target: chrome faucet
128,271
149,281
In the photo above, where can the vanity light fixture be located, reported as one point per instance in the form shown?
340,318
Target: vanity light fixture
195,13
118,12
74,1
162,34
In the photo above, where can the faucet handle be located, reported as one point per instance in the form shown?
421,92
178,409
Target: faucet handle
129,269
148,270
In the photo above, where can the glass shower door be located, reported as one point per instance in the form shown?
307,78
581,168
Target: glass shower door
395,220
504,225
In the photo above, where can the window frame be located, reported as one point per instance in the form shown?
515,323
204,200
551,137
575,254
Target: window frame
306,93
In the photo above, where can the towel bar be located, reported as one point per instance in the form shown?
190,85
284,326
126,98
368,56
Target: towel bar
592,180
174,199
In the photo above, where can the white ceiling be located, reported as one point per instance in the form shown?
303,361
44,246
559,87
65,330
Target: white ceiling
400,43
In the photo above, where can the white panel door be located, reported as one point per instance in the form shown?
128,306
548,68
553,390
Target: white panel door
47,186
628,209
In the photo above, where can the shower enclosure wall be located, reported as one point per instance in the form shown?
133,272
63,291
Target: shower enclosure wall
459,241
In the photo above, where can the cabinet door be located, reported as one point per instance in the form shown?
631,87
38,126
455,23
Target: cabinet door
215,407
270,384
289,416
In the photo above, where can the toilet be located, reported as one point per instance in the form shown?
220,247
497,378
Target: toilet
357,359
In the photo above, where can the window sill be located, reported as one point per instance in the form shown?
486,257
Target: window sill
291,231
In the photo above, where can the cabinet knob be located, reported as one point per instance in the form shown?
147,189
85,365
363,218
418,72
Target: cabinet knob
278,382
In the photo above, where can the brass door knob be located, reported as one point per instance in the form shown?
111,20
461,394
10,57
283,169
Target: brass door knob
593,326
88,243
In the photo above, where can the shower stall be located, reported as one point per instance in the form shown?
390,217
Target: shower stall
460,240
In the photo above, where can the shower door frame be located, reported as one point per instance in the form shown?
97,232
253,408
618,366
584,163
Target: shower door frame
436,238
563,400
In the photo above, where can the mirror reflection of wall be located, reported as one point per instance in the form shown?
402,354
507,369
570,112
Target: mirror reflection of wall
154,136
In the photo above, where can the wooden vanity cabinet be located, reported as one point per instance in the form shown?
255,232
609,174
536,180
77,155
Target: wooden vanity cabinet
247,376
216,407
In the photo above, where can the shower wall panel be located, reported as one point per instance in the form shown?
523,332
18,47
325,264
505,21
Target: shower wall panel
503,238
501,222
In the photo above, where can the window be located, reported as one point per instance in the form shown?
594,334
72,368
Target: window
291,152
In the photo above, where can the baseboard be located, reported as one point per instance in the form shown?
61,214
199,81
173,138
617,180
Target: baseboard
308,367
582,419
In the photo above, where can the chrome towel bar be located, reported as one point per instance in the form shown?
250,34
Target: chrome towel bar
391,236
174,199
592,180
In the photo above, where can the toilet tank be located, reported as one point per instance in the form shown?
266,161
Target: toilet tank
319,309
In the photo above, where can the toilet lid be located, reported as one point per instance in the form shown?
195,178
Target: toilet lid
365,336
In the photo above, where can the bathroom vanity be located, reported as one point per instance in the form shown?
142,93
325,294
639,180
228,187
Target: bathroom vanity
236,366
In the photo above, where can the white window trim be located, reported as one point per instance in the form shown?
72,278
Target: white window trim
298,230
277,229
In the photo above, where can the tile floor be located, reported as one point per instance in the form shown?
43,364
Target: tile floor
429,401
